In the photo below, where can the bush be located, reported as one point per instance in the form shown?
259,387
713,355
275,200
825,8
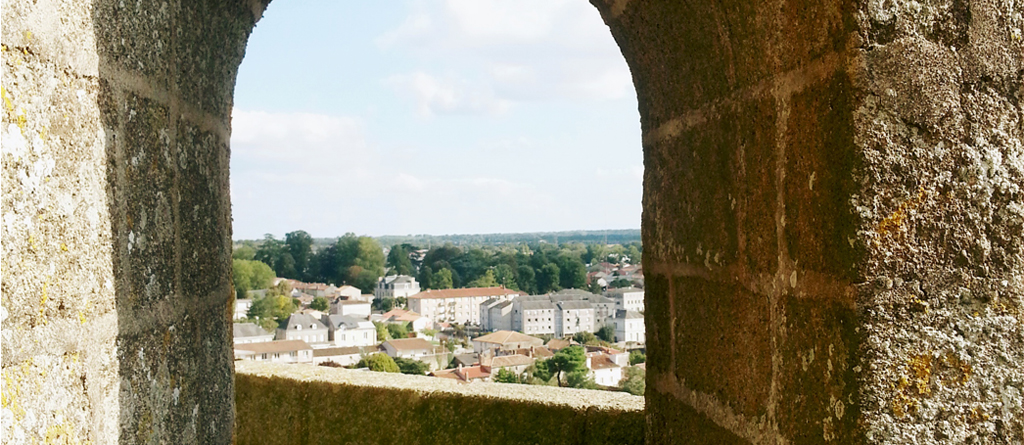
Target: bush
410,366
636,356
379,362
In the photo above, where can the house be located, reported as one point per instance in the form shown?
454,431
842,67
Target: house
344,356
283,351
573,317
242,306
463,374
628,298
457,305
344,330
557,344
418,349
250,333
603,369
353,308
505,340
467,359
303,327
396,286
629,326
516,363
402,316
347,292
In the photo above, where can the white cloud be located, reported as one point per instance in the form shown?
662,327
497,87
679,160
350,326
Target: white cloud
447,95
528,50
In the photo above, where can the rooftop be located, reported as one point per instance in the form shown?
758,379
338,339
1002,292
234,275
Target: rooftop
503,337
464,293
274,346
410,344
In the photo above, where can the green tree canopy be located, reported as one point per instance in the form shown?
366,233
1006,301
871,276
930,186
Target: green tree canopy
398,330
270,310
300,245
634,381
244,252
250,275
567,361
379,362
584,337
527,279
606,333
580,378
572,272
506,376
319,304
398,261
426,277
442,279
548,278
485,280
382,331
411,366
505,275
636,356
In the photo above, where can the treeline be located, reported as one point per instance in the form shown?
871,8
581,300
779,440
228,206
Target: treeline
351,259
495,239
535,268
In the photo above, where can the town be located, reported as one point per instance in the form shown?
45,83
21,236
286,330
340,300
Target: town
591,337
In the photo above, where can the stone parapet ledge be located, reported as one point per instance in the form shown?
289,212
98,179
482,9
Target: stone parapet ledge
299,404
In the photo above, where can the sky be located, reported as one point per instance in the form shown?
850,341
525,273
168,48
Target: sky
439,117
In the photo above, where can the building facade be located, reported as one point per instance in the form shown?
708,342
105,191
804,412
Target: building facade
456,305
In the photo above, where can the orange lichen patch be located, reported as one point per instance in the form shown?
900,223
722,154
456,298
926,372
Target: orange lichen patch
893,224
921,374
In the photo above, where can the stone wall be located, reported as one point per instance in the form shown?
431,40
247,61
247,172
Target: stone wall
832,218
116,219
300,404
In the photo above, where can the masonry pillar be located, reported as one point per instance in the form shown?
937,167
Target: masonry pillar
833,218
116,219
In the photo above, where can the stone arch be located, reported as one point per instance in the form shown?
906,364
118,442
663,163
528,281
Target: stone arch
832,217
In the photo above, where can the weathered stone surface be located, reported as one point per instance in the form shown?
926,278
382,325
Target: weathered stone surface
310,404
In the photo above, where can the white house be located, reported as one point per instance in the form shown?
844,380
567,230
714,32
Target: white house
284,351
352,308
344,356
349,292
628,298
250,333
303,327
629,326
242,306
505,340
417,349
402,316
344,330
396,286
603,369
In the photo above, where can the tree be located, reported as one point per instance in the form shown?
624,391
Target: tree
384,304
485,280
426,277
442,279
527,279
398,260
271,310
300,245
540,372
411,366
594,287
319,304
572,272
241,277
606,333
584,337
379,362
505,275
398,330
382,331
244,252
547,278
567,361
580,378
506,376
635,381
636,356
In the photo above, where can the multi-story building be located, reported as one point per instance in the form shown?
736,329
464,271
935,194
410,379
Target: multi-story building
574,316
629,326
457,305
344,330
496,315
534,315
628,298
396,286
